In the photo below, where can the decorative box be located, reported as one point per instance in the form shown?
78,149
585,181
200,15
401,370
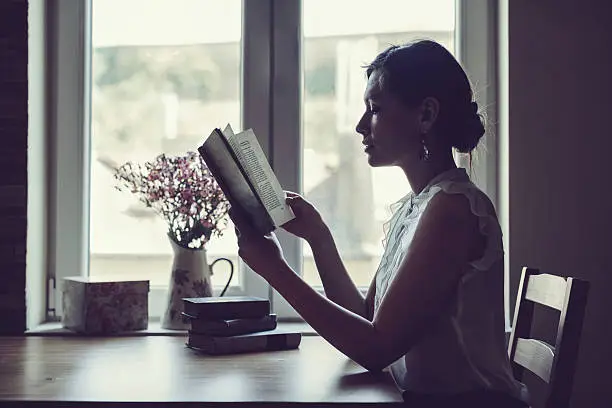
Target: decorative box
97,306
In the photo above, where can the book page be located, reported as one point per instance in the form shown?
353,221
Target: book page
228,132
262,177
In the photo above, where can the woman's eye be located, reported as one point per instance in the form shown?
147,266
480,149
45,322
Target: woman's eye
375,109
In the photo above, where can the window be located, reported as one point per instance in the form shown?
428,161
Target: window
157,76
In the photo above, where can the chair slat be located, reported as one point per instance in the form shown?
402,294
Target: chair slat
536,356
556,364
547,289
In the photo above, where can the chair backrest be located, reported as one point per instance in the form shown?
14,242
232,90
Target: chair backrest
553,364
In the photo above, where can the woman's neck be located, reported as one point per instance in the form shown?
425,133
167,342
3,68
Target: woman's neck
420,173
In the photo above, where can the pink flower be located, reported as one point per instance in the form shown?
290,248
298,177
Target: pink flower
186,195
183,191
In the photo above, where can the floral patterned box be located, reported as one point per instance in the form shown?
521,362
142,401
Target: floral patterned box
97,306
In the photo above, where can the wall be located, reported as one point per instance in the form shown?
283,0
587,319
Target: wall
558,153
13,163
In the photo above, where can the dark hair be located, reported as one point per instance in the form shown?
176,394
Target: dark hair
422,69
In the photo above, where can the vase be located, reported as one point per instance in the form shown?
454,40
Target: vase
190,277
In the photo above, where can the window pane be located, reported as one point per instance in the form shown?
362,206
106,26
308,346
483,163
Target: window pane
353,198
164,73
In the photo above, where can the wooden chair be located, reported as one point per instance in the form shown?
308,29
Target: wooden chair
555,365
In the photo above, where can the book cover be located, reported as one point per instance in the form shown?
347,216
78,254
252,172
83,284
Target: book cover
226,307
231,327
274,340
234,181
247,180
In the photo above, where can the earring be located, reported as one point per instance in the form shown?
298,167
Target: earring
425,155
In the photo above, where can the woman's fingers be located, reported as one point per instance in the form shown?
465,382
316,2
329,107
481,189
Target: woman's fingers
291,194
294,201
242,224
290,202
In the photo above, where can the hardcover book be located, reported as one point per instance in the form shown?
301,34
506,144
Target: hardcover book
240,167
262,341
226,307
231,327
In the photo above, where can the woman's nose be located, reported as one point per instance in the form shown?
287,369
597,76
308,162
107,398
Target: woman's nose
362,127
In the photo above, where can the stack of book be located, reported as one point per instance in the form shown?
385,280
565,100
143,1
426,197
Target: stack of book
235,324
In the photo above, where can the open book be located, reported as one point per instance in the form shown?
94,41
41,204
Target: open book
241,169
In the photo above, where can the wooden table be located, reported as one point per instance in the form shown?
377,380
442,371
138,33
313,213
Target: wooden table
161,371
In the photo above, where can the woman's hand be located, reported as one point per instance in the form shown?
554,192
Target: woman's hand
308,223
263,254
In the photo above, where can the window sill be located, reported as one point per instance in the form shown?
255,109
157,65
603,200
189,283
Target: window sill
154,329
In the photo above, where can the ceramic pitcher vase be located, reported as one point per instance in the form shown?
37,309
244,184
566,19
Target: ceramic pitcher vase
190,277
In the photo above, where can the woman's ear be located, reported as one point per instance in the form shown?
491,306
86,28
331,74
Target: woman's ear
430,107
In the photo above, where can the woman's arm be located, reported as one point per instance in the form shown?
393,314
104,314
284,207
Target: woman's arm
338,285
309,225
446,240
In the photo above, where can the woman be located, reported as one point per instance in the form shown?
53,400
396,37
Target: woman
434,310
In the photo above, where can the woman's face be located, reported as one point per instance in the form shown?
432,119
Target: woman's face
390,129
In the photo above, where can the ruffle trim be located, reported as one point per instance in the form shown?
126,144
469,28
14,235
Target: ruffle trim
479,206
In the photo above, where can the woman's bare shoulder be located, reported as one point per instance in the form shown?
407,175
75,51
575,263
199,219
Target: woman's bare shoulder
453,216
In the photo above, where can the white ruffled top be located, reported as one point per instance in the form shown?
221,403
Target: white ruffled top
466,348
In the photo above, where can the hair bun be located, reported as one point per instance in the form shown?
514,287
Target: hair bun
470,131
474,106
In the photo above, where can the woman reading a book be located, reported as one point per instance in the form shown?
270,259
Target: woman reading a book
434,312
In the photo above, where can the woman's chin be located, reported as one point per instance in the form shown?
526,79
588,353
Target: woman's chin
373,161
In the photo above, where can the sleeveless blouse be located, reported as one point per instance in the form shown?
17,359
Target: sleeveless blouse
466,348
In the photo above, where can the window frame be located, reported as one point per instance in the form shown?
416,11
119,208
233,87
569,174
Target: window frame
271,71
478,23
68,59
